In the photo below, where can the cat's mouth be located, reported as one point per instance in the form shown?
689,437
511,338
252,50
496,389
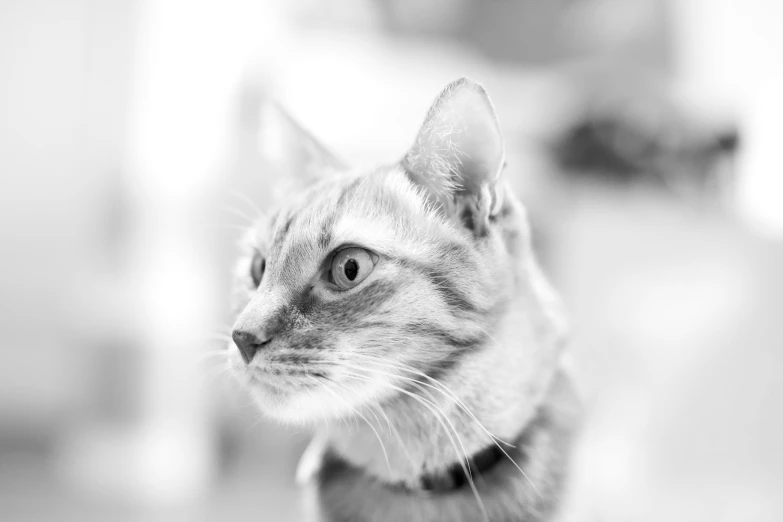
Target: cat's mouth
297,392
284,378
284,390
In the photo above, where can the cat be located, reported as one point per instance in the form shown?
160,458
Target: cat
402,312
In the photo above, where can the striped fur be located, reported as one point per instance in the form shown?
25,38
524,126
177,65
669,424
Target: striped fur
455,300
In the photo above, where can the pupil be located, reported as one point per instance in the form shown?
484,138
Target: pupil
351,269
257,272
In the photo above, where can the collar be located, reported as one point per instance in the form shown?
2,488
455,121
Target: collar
455,476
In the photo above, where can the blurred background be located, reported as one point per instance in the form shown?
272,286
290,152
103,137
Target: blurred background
641,134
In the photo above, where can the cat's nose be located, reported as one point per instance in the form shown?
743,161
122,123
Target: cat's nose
248,343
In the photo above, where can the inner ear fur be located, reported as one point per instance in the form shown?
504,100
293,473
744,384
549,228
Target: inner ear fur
458,155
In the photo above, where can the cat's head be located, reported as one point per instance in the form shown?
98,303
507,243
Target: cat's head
361,279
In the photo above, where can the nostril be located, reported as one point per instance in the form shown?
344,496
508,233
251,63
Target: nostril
248,343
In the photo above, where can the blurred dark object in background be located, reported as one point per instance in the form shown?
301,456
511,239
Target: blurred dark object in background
617,148
646,136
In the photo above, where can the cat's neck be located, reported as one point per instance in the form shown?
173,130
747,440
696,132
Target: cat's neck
529,485
496,389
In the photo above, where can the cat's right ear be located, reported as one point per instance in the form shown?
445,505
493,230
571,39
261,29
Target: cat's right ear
298,158
458,155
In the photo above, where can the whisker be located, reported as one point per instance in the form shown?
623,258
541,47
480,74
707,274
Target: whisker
227,226
438,414
253,205
323,385
392,429
440,387
208,356
238,213
377,435
431,402
495,440
397,436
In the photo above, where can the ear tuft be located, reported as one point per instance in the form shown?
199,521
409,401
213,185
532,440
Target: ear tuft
459,150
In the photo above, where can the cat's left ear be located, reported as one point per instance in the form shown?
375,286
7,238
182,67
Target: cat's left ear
299,157
458,155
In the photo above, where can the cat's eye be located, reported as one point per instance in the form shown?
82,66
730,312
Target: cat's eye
350,267
257,267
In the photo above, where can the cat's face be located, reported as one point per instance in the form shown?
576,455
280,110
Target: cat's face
358,282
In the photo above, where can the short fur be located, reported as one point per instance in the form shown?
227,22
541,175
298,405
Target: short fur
454,338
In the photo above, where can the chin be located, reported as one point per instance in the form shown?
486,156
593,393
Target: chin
300,406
